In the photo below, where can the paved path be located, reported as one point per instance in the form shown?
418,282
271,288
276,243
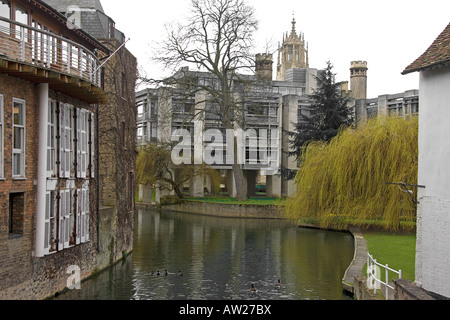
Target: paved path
359,260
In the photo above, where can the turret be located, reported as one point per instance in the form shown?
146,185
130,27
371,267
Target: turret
358,79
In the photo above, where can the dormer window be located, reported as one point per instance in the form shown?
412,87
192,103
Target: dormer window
111,29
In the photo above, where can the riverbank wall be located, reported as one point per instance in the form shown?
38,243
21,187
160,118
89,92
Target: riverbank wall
229,210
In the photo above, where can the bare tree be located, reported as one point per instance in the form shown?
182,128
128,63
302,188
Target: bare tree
218,39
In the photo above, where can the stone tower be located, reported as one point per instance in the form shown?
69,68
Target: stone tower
263,66
358,79
293,53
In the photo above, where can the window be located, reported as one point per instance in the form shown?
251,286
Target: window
5,12
16,213
111,29
50,235
18,138
2,172
92,144
82,142
66,154
66,219
51,140
73,220
82,215
21,17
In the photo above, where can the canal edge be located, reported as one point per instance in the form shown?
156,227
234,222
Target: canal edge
357,265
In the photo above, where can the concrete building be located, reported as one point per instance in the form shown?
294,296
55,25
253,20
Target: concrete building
275,107
433,211
51,85
402,104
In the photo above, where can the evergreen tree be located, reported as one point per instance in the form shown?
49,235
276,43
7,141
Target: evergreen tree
330,114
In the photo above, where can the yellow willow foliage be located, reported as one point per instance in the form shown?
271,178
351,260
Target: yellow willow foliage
346,180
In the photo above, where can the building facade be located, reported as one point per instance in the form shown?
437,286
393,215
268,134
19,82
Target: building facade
433,222
273,107
116,122
51,86
401,104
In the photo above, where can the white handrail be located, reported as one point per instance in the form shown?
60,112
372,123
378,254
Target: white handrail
373,275
39,47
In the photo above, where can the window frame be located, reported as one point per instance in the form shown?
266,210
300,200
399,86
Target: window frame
51,227
92,126
66,144
22,151
51,139
3,23
82,142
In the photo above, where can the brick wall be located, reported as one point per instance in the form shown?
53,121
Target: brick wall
23,276
117,139
16,248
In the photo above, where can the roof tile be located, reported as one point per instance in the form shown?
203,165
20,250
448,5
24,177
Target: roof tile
437,53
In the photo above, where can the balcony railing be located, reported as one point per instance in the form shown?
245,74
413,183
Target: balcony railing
47,50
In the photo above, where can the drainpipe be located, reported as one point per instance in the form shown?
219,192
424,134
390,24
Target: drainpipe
42,170
97,169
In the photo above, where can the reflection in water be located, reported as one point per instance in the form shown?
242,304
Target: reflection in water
220,259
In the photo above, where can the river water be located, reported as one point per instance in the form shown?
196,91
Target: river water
212,258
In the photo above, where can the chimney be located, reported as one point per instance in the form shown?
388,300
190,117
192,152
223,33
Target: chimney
263,66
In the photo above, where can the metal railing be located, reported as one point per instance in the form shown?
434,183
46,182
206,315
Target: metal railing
374,275
44,49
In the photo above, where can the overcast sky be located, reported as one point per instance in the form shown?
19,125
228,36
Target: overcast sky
388,34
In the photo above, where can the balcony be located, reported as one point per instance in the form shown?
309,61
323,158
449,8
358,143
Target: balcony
40,56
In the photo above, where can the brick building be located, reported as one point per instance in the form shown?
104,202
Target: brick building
117,124
51,90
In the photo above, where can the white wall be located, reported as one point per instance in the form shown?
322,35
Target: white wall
433,213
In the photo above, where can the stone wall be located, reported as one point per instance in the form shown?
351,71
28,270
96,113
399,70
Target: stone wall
403,290
406,290
228,210
362,292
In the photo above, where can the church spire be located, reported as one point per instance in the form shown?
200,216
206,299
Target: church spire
293,52
293,23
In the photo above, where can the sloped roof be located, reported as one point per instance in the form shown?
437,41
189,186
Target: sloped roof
438,53
62,5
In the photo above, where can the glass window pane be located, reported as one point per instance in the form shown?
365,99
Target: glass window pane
17,164
5,12
18,114
17,138
21,16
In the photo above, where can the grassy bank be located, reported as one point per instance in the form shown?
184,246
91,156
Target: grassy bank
396,250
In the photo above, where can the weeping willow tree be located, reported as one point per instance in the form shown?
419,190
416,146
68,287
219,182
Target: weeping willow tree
362,175
154,166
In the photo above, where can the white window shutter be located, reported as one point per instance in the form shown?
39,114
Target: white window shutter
86,213
78,137
62,141
69,141
62,210
69,218
47,223
78,213
84,141
92,144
